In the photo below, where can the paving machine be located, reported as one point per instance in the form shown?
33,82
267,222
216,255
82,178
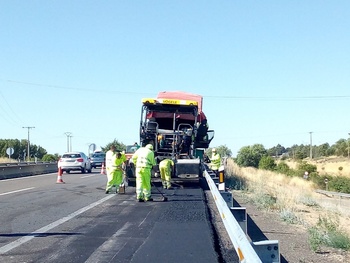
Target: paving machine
177,128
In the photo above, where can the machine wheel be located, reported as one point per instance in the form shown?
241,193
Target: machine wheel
131,183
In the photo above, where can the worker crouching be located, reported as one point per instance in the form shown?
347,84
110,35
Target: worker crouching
165,168
144,161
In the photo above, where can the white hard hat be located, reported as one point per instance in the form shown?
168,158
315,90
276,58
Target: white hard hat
149,146
213,150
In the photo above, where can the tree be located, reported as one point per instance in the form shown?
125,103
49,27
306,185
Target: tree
222,150
251,155
277,150
118,146
341,147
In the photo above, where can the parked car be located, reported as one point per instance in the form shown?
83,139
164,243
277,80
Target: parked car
74,161
97,159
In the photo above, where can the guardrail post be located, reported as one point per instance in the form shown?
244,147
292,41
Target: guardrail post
240,214
267,250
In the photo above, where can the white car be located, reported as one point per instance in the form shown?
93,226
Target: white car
74,161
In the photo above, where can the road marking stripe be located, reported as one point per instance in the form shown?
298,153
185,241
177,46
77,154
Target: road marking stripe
44,229
16,191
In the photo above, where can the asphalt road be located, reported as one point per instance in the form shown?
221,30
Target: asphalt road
75,221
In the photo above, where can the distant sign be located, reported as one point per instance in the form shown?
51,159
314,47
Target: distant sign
10,151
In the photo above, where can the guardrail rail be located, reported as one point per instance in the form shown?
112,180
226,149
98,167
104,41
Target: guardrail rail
235,222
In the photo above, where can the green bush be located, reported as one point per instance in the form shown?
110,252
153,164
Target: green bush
267,163
306,167
339,184
326,233
283,168
49,158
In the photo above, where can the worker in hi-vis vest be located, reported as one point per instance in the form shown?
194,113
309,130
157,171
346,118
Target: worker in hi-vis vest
110,168
119,162
165,169
215,161
144,161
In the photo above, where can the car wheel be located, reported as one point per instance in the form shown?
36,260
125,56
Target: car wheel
83,170
89,170
68,171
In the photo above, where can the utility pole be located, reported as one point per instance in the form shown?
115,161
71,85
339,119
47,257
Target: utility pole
310,145
68,134
28,150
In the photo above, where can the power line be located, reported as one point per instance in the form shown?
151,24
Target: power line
315,97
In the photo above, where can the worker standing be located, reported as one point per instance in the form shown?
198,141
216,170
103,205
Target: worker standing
144,161
110,168
165,168
215,161
119,162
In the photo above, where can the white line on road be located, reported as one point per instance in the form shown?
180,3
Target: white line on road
88,176
21,190
44,229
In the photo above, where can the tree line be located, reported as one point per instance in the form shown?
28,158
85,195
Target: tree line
20,148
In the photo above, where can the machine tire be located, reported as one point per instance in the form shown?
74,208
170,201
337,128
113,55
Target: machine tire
131,183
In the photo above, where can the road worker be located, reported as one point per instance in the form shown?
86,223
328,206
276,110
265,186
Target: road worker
110,168
120,162
215,161
144,161
165,168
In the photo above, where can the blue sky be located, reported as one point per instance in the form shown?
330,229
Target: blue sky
270,72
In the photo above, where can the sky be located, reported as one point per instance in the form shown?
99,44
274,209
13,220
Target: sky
270,72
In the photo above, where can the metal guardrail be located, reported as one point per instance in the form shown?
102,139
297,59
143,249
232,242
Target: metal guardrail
266,251
244,249
328,193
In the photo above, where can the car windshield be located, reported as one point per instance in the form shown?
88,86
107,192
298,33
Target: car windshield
98,155
130,149
71,155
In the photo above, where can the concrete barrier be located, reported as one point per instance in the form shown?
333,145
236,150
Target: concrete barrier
26,169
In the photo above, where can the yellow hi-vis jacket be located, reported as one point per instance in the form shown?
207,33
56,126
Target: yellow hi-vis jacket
166,163
143,158
110,159
215,161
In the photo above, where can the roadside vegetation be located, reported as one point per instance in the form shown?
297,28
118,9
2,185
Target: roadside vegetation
258,157
293,198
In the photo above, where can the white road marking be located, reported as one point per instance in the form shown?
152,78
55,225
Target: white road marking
16,191
88,176
44,229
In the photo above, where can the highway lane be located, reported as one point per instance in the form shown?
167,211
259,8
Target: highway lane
45,221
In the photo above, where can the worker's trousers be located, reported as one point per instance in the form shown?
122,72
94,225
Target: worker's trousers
143,183
114,178
165,175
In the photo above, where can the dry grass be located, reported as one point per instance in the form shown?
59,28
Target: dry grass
329,165
7,160
292,195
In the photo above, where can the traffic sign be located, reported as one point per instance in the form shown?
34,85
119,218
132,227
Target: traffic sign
10,151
